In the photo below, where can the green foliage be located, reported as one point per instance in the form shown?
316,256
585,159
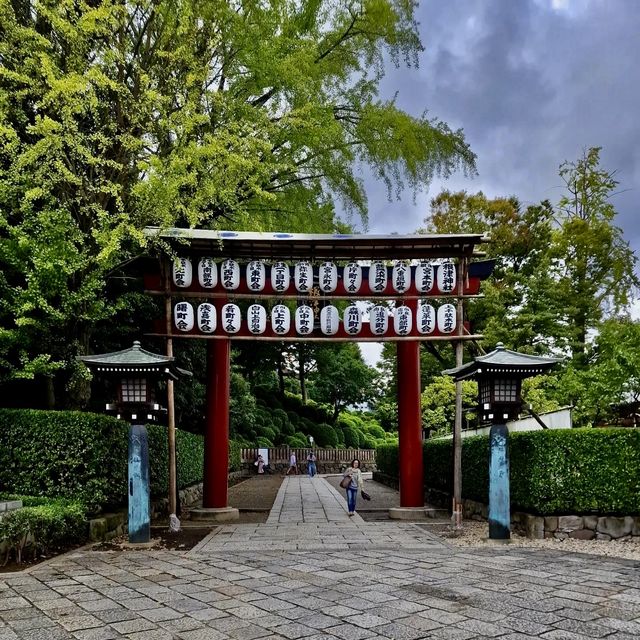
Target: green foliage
351,437
577,470
297,440
325,435
341,377
235,459
594,264
438,404
83,456
558,271
47,525
242,406
262,441
613,375
513,310
388,459
552,472
115,115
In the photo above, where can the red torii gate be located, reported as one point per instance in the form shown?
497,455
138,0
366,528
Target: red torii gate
316,282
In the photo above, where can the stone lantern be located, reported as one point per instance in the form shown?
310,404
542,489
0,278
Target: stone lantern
499,375
134,370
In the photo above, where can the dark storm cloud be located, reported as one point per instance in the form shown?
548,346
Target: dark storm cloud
533,83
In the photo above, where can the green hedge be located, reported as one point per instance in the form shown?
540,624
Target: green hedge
41,528
552,471
387,459
83,456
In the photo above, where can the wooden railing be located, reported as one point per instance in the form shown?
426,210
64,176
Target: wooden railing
282,454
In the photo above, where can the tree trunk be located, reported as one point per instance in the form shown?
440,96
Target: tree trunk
51,393
302,361
280,376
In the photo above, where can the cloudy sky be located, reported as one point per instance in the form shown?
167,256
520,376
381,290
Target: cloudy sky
532,83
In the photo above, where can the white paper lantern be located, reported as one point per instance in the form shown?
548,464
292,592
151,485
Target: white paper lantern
447,277
401,276
352,277
379,320
328,277
280,276
280,319
304,320
207,317
230,274
424,277
183,316
329,320
182,272
402,317
256,276
447,318
231,318
303,276
256,319
377,277
207,273
426,320
352,320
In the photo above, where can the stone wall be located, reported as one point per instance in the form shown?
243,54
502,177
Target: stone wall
582,527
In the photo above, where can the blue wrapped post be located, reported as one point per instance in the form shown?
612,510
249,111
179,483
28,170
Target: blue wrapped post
139,494
499,507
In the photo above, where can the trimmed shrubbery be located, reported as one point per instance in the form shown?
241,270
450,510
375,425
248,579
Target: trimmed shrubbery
41,525
552,471
83,456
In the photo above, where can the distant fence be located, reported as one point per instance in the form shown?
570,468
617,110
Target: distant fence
282,455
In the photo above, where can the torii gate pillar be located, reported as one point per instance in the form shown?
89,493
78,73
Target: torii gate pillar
216,438
410,425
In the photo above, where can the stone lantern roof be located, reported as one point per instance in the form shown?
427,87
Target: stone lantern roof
135,359
503,361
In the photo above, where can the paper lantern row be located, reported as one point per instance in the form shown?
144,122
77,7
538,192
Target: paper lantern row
230,320
425,277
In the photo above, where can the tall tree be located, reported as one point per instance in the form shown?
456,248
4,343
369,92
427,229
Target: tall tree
341,377
594,266
513,310
123,113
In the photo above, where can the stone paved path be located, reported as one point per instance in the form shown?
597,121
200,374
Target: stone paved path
355,581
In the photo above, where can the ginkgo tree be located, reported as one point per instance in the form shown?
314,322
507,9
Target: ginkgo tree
201,113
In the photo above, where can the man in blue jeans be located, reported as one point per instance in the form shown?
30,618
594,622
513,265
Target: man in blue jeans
311,464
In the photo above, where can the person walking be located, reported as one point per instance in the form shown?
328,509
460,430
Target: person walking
293,465
311,464
260,464
356,483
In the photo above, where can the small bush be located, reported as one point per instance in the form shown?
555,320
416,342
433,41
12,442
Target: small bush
351,437
41,528
298,440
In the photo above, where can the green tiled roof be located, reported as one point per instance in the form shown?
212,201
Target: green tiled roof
134,358
503,360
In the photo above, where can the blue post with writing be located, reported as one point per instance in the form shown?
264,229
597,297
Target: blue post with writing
499,507
139,494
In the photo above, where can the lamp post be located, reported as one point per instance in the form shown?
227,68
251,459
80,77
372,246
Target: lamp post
134,371
499,375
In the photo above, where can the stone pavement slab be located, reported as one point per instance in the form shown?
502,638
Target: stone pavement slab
409,588
309,500
312,572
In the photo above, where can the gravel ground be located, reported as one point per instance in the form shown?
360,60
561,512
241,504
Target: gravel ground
476,533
